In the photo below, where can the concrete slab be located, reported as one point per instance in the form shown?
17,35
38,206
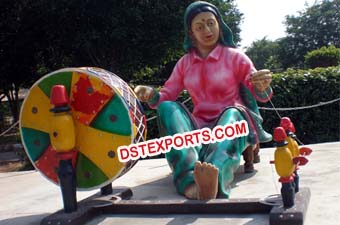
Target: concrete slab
26,197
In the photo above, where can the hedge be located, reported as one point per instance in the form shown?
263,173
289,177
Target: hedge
296,88
323,57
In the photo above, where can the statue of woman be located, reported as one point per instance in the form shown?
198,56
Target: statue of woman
223,84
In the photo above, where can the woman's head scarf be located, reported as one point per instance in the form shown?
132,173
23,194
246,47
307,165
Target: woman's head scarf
195,8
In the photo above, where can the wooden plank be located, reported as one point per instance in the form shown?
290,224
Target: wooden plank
214,206
294,215
116,204
87,209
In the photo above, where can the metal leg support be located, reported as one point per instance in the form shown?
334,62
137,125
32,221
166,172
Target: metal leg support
67,179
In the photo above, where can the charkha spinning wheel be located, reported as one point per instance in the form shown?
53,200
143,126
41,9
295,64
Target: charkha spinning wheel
106,114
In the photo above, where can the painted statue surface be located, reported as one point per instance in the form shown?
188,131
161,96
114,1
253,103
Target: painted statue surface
224,86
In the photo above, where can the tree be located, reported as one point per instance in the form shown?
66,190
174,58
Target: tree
313,28
15,51
264,54
40,36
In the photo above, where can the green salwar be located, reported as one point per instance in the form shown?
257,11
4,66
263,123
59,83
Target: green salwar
173,118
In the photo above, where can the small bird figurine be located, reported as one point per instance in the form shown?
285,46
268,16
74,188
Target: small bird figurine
63,140
62,130
284,165
298,154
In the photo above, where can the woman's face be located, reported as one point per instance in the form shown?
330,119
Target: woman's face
205,30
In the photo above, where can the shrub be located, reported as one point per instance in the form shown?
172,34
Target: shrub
323,57
296,88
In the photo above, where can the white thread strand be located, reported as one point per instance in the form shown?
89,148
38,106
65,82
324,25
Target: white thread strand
302,107
10,128
277,109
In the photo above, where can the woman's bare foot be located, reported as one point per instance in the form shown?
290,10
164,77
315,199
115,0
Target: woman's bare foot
206,179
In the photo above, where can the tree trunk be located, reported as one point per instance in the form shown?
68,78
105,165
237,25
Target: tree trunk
13,101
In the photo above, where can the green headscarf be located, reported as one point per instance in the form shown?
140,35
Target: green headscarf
200,6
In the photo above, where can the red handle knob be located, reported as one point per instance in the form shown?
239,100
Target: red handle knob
279,134
287,124
59,95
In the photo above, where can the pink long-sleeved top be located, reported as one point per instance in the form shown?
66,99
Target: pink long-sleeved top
212,82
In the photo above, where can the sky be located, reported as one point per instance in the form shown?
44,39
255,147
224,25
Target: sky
265,18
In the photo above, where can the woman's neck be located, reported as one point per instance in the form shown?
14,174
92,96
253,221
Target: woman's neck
204,51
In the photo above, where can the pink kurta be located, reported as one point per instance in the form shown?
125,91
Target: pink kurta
213,82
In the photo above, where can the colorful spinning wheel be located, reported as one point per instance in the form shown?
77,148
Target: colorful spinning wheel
106,115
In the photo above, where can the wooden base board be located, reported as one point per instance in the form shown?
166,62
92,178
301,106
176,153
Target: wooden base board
117,203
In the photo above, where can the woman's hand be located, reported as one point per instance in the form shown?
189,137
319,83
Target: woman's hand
261,80
144,93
